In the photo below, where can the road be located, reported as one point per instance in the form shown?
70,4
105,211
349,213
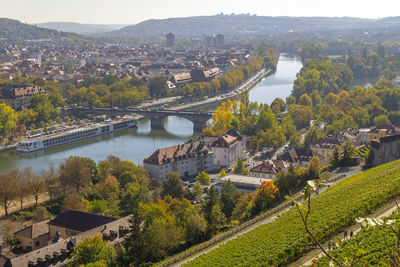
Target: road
240,89
156,102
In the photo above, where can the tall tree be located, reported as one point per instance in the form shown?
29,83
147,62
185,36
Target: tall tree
240,169
36,186
74,172
7,191
8,120
203,178
174,186
93,249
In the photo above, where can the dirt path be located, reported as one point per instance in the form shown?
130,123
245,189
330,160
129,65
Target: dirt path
384,211
28,202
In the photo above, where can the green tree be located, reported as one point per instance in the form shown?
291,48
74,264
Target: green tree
93,249
278,105
381,120
240,169
229,196
158,86
305,100
203,178
8,120
222,173
197,190
132,196
195,228
313,170
335,159
126,178
174,186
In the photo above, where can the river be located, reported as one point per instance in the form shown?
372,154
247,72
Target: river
138,143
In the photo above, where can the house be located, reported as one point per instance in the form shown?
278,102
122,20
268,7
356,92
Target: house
386,149
324,148
187,159
73,222
58,251
299,157
268,169
228,149
243,183
34,236
382,131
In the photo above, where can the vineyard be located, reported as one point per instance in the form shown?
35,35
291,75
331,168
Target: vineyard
370,247
284,240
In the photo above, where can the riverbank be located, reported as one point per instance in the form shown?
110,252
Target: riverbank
8,147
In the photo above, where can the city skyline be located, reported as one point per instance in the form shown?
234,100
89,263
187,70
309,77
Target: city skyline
131,12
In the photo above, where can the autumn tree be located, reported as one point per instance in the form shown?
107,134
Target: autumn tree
203,178
21,186
7,191
222,173
37,186
8,120
74,202
74,172
263,196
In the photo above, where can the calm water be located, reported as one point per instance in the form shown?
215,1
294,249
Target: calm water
137,144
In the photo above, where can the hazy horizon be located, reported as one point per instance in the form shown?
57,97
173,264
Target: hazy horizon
132,11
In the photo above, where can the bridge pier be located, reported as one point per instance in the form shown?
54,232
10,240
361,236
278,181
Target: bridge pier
157,122
199,125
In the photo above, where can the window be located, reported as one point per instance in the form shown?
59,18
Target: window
37,243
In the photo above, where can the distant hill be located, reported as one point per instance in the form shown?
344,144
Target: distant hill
80,28
244,25
14,30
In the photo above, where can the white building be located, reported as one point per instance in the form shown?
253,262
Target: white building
242,182
228,149
186,159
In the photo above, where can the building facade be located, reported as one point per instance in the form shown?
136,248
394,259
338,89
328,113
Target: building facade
386,149
268,169
228,149
187,159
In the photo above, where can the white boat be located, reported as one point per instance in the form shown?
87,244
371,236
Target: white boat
39,142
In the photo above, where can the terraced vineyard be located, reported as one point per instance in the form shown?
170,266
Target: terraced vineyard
284,240
374,244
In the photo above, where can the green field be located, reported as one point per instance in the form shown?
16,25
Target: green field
284,240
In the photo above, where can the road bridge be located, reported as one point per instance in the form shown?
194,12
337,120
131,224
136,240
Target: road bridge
157,116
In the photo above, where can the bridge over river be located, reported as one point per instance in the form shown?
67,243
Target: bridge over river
157,116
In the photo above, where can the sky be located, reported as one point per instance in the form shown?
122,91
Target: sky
134,11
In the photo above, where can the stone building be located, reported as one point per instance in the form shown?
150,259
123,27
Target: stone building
186,159
386,149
